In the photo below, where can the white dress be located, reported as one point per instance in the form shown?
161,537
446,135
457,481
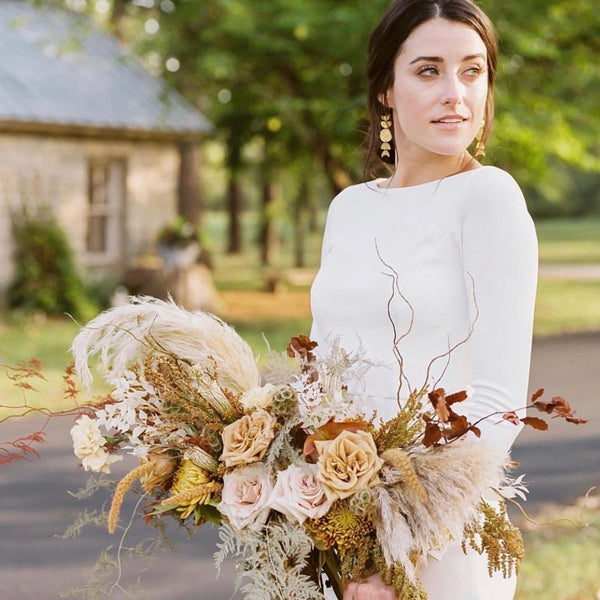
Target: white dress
464,251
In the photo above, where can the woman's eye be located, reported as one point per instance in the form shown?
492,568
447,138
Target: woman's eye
474,71
428,71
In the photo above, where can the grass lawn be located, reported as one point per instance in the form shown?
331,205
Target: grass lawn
562,560
569,240
567,306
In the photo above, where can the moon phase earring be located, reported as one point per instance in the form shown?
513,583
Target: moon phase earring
480,144
386,150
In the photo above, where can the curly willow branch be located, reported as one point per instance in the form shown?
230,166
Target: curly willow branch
397,338
457,345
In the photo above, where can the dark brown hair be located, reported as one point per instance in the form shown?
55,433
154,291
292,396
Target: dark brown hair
399,21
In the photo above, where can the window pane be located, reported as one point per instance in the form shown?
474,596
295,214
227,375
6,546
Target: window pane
96,234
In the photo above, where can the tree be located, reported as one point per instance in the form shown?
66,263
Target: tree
245,63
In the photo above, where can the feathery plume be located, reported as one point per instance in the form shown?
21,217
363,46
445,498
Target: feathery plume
126,334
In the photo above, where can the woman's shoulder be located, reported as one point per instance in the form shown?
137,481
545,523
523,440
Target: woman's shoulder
353,195
489,188
489,176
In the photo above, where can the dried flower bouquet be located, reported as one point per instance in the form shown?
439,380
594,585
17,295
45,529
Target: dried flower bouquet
308,489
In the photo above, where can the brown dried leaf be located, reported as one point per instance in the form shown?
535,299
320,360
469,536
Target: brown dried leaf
537,394
543,406
301,346
457,397
433,434
438,401
475,430
330,431
535,422
575,421
561,406
511,417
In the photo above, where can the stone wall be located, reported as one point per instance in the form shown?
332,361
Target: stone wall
54,172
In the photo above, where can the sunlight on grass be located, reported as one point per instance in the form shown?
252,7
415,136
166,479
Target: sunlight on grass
567,306
562,560
569,240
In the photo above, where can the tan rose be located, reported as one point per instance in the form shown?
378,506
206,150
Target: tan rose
247,439
347,464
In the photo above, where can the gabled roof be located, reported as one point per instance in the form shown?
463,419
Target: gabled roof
59,73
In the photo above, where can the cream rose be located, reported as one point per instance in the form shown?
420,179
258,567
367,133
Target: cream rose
247,439
245,496
299,494
347,464
89,446
259,397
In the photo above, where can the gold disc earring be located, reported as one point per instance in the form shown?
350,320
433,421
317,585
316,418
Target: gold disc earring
386,137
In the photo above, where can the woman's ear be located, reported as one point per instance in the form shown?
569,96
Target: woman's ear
383,100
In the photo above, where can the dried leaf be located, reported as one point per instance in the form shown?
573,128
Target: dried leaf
475,430
576,421
561,406
301,346
537,394
438,401
511,417
535,422
433,433
457,397
330,431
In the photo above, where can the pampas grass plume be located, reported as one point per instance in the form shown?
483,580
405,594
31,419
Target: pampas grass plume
127,334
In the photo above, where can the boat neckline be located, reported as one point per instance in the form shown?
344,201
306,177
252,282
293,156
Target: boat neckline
383,189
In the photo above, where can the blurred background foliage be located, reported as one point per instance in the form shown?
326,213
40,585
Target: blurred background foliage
283,82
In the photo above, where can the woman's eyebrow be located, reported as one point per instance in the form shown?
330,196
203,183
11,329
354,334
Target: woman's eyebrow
439,59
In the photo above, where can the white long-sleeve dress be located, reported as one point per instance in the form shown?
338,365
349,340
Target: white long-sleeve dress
464,251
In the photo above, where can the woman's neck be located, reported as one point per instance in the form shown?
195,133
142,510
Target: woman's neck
412,172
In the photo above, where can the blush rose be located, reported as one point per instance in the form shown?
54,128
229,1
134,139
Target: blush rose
299,494
245,496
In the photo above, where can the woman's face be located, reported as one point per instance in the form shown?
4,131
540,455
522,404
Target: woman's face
439,90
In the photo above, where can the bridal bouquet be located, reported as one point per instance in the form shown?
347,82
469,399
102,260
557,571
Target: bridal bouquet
309,489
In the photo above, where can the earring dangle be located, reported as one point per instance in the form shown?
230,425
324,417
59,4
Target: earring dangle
480,145
386,149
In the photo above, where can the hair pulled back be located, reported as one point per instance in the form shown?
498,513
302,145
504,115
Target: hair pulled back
387,39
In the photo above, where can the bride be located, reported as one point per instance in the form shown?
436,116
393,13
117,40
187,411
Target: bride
455,235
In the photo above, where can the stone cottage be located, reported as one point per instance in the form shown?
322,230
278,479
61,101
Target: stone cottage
86,130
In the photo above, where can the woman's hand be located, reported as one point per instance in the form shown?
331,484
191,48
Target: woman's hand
371,589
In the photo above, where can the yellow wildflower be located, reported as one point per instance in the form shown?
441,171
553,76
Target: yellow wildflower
191,487
341,526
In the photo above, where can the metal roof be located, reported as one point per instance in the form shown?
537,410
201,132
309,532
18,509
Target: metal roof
58,69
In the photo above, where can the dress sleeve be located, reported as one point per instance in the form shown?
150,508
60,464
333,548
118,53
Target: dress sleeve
328,236
500,265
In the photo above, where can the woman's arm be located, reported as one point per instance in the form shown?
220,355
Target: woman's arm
500,262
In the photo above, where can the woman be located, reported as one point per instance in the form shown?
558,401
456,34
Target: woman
454,235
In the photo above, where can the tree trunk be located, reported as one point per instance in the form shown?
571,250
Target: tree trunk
117,17
234,207
300,221
189,197
267,229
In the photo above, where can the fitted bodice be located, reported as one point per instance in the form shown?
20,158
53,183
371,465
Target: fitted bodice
455,262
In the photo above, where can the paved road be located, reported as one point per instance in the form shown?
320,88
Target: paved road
35,506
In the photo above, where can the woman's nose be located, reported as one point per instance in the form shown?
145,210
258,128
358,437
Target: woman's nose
452,93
